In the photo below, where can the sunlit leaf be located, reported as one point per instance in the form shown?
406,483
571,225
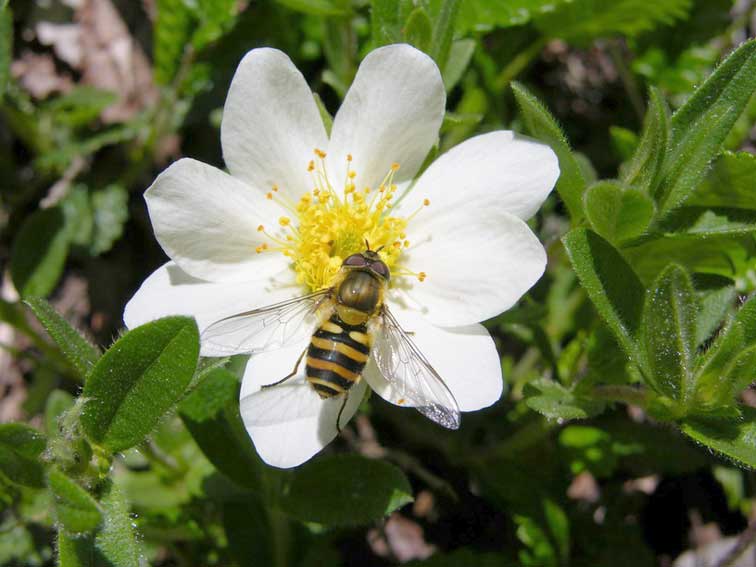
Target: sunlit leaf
418,30
444,20
79,351
731,183
541,125
583,20
610,282
460,54
700,127
669,327
643,169
138,380
615,213
733,438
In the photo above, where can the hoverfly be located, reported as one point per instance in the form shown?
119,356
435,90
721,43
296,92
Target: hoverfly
348,323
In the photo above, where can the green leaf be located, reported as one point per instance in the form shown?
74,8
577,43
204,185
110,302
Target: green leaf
617,214
80,105
74,551
611,284
6,45
39,252
460,54
315,7
344,490
733,438
248,526
482,15
173,26
540,124
110,209
214,18
584,20
625,142
729,183
444,19
700,127
588,448
211,414
714,303
669,325
726,254
727,367
138,380
75,509
418,29
644,167
77,350
554,401
58,402
20,449
386,23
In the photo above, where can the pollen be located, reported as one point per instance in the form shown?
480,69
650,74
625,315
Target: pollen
334,220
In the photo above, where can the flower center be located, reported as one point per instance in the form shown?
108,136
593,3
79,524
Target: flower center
329,226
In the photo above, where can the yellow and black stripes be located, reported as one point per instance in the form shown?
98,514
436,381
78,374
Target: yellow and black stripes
336,356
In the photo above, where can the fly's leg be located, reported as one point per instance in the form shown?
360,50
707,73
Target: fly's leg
341,410
293,372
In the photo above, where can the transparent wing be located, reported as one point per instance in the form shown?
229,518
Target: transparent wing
413,380
294,400
289,401
267,328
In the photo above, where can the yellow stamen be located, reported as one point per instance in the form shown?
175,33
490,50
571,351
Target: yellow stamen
328,225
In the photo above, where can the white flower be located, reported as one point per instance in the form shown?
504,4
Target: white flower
457,244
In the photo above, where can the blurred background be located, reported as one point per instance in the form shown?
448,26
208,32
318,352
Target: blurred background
98,96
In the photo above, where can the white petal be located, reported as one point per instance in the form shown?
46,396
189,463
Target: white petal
206,221
518,171
289,439
464,357
271,124
478,260
171,291
392,113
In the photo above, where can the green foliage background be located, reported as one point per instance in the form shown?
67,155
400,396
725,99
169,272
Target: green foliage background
628,424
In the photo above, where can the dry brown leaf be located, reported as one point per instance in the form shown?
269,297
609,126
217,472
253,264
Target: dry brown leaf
37,74
112,60
65,39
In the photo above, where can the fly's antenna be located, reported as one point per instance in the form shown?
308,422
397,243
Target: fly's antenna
368,244
380,248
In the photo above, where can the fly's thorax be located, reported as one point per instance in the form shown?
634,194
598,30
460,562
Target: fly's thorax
359,295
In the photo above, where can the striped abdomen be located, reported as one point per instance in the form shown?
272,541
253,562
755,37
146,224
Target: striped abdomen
336,356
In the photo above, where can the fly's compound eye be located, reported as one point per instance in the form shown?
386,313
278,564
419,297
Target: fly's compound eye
356,261
381,269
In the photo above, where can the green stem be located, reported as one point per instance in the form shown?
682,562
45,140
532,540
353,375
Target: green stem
281,535
156,456
625,394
